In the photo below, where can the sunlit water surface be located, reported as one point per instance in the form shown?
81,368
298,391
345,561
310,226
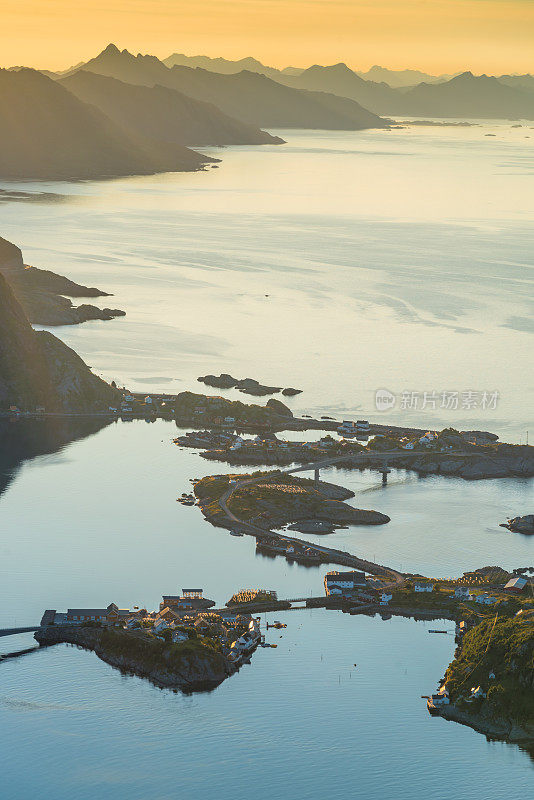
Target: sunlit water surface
339,263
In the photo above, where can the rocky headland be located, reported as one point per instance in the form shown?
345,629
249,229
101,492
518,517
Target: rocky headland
194,665
37,370
45,296
521,524
497,656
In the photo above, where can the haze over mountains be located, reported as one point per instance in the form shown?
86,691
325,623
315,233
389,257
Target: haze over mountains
157,112
48,133
124,114
248,96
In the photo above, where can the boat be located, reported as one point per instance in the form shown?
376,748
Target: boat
235,533
276,624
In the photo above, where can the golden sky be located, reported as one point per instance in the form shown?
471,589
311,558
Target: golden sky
492,36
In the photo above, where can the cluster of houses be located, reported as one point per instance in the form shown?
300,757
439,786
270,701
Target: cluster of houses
352,584
183,615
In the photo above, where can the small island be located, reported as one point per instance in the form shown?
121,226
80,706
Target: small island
275,499
184,645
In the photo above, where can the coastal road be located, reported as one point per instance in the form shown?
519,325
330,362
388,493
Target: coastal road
334,556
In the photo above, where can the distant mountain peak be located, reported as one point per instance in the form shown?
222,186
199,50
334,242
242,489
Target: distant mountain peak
110,50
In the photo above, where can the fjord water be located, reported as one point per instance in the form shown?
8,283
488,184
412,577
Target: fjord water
97,522
339,263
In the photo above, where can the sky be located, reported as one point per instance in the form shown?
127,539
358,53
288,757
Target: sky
437,36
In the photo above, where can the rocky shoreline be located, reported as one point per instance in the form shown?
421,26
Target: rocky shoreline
494,728
201,672
45,296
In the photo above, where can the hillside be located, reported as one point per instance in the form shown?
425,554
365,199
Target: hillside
340,80
36,369
161,113
504,649
248,96
468,95
48,133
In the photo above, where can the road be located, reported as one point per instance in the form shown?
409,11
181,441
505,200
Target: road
334,556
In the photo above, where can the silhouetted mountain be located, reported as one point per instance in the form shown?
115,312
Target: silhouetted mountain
340,80
248,96
221,65
161,113
47,133
36,369
467,95
518,81
398,78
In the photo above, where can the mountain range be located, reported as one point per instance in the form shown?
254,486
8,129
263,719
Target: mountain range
160,113
249,96
48,133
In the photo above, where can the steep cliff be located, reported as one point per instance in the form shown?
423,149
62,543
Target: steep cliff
36,369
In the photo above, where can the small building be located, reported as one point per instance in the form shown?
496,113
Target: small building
516,584
80,615
423,587
485,599
385,598
476,693
462,591
440,699
339,583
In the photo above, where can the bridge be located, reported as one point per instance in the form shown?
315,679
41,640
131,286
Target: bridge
378,461
13,631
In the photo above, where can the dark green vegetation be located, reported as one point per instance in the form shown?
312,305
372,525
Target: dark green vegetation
156,653
36,369
504,647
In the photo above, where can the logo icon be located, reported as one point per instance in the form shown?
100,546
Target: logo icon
384,400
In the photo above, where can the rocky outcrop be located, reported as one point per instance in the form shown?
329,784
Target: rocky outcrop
245,385
502,728
521,524
279,408
44,295
174,666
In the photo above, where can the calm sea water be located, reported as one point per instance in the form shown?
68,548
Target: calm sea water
339,263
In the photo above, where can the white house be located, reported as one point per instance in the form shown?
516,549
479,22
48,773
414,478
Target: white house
423,587
408,446
343,582
179,636
385,598
441,698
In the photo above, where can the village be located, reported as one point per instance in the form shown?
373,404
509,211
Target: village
180,618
